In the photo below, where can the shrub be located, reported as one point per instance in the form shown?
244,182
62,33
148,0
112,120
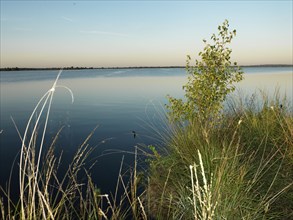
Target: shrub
209,81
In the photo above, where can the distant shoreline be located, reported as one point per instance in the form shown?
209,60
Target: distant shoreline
130,67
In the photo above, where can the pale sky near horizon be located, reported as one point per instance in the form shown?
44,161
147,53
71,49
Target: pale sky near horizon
140,33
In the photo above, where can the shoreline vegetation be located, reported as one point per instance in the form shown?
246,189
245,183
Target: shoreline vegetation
215,161
129,67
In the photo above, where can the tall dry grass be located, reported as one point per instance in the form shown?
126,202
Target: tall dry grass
45,194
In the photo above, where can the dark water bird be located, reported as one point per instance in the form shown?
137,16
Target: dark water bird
134,134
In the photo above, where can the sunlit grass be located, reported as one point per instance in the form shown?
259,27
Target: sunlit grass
247,159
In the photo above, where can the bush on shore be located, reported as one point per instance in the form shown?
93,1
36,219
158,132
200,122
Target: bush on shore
223,163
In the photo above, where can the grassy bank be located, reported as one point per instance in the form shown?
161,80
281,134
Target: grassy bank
231,161
239,168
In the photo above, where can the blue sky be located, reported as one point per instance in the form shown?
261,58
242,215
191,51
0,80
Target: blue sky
140,33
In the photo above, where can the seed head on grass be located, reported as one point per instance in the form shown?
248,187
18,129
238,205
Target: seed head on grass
204,207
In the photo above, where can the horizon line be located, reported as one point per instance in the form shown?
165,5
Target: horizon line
125,67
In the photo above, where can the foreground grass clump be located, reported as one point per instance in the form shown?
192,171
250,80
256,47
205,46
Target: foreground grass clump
238,168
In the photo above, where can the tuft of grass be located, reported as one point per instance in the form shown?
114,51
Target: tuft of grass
29,163
203,205
247,159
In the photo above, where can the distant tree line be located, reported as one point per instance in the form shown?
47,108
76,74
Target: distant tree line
127,67
43,68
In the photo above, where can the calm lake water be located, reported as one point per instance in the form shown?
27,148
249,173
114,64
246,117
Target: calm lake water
119,101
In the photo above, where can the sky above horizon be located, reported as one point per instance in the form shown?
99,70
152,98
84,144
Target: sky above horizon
139,33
